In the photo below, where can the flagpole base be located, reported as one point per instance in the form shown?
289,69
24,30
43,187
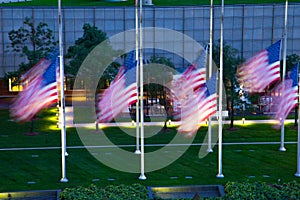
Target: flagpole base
137,152
282,149
220,176
209,150
64,180
297,174
142,177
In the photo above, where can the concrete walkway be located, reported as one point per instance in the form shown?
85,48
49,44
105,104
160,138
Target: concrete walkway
70,122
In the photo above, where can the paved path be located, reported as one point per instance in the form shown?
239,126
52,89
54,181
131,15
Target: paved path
133,145
70,121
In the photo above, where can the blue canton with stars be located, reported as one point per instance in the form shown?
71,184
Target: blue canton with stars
211,85
49,75
274,52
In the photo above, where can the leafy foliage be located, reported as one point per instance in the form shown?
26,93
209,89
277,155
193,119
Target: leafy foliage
83,46
77,53
132,192
291,61
32,42
261,190
163,75
162,60
230,62
233,190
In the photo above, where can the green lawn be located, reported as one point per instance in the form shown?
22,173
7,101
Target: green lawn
131,2
41,169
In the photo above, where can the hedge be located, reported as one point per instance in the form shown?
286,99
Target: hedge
233,190
130,192
262,191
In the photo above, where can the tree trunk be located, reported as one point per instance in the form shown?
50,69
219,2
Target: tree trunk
231,114
31,126
232,104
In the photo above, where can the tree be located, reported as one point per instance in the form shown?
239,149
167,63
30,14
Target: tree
291,61
32,42
167,77
230,62
76,54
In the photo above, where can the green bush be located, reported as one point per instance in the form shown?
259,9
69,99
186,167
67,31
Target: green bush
111,192
262,191
234,190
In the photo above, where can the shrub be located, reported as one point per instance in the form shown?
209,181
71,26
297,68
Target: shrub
262,191
111,192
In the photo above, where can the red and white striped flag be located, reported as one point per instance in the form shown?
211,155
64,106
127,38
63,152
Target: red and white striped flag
40,92
191,79
288,95
120,94
261,70
198,107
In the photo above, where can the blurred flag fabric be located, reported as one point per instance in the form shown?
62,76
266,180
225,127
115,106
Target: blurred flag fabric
121,93
191,80
40,90
261,70
35,72
199,107
193,77
287,95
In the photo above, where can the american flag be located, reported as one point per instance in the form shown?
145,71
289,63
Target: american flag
192,78
261,70
35,71
288,98
121,93
40,92
39,68
199,107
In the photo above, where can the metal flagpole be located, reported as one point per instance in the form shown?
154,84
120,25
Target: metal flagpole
282,148
62,99
209,149
220,174
137,118
297,174
142,176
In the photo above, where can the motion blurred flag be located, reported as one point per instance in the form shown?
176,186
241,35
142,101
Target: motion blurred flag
199,107
261,70
35,72
209,105
39,92
193,77
288,98
121,93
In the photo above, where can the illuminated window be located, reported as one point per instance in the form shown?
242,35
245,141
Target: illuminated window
14,85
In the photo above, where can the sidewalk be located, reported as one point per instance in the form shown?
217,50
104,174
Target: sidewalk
70,121
5,103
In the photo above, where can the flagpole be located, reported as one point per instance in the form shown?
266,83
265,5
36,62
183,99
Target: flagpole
62,98
220,174
142,175
282,148
297,174
209,149
137,118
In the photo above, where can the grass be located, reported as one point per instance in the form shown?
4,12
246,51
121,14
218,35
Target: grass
41,169
131,2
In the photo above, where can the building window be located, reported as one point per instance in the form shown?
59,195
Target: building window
14,85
